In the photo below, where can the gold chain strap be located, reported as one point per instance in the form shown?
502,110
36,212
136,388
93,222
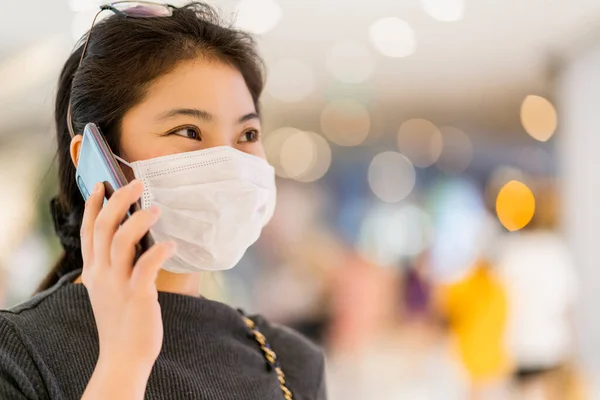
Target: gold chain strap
269,355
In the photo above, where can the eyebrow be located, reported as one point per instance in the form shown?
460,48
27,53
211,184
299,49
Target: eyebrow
201,115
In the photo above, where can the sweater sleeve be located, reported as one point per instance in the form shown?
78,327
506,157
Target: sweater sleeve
18,372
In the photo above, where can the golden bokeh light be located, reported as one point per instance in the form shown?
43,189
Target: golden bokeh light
298,154
321,160
393,37
273,144
515,205
538,117
345,122
421,141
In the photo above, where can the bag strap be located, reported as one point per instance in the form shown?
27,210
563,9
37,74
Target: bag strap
269,354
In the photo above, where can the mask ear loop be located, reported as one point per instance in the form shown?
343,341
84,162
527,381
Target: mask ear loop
132,174
121,160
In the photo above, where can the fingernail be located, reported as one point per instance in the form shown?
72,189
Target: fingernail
97,187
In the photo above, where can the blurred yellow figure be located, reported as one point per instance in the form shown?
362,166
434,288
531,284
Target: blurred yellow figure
476,308
515,205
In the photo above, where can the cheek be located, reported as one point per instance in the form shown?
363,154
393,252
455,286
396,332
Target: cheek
145,146
257,149
261,152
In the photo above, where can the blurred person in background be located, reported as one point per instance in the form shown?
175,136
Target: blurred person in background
475,307
417,291
541,283
378,350
159,81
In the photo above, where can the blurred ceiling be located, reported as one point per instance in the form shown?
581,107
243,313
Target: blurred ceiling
474,71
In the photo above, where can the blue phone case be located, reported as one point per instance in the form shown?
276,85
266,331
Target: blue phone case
97,164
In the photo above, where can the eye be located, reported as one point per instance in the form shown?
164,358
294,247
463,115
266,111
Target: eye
250,136
190,132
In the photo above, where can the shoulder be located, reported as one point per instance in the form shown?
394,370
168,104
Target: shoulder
29,314
19,324
301,360
16,320
51,304
19,375
48,319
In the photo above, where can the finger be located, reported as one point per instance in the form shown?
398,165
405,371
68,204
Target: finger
93,205
122,250
147,267
111,216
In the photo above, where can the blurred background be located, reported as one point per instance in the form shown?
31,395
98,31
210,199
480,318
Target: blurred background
437,219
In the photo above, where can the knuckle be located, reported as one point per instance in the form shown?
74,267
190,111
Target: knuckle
101,223
121,235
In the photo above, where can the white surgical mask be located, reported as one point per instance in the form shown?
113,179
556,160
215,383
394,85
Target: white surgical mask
214,204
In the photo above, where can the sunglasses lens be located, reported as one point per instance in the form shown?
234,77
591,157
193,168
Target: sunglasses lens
142,10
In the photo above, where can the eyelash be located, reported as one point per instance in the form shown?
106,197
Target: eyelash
198,136
192,128
256,135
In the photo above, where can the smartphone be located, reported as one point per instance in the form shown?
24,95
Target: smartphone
97,164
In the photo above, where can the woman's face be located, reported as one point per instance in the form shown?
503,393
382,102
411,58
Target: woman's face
200,104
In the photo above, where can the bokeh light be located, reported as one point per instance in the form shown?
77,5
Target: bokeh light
322,161
444,10
499,177
391,176
421,141
296,154
273,144
515,205
306,156
393,37
257,16
345,122
457,151
390,233
290,80
350,62
538,117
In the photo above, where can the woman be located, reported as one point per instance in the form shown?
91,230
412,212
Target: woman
176,96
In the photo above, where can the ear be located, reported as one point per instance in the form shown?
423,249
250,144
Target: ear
76,148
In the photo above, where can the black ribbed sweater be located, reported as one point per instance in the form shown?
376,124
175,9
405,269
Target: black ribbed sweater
49,348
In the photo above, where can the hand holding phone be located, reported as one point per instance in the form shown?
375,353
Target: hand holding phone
124,298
